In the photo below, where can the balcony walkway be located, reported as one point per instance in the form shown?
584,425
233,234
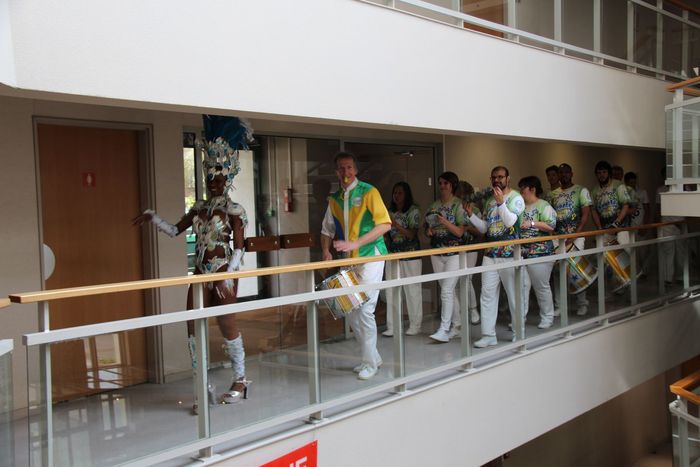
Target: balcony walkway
127,423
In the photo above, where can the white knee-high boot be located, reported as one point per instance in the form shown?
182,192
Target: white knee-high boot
236,353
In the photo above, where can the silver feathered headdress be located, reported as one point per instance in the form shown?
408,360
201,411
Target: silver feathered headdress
224,137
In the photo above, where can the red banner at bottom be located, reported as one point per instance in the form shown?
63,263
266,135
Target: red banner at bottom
305,456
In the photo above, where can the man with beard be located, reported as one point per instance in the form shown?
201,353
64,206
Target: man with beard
501,212
611,202
573,206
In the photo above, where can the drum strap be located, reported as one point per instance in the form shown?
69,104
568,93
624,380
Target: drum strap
346,214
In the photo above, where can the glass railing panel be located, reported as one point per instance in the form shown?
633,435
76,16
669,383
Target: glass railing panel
686,140
613,36
360,355
494,11
693,48
449,4
276,368
673,45
7,425
421,351
645,39
104,409
577,20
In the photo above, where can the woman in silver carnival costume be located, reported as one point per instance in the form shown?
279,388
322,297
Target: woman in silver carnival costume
217,223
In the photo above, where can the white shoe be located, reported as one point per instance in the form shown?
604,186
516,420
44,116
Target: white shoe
582,310
474,317
359,367
544,324
557,312
367,372
412,331
388,333
486,341
441,336
454,332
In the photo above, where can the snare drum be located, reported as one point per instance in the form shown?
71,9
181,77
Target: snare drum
580,273
342,305
618,266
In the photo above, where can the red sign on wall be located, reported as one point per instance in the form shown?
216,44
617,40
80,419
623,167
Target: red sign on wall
305,456
88,179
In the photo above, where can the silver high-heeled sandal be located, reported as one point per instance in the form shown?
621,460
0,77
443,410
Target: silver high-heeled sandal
232,396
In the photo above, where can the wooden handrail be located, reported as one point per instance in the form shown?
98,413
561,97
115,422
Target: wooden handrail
683,84
72,292
684,6
681,387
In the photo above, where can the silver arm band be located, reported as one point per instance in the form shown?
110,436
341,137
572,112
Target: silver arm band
167,228
235,260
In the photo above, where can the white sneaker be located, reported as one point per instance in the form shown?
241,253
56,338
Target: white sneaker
486,341
557,312
454,332
582,310
359,367
388,333
412,331
366,372
474,317
544,324
440,336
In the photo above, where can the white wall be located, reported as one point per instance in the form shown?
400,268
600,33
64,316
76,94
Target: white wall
7,58
327,60
474,419
473,157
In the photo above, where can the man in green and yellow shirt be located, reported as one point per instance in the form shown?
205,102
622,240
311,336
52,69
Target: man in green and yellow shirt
358,219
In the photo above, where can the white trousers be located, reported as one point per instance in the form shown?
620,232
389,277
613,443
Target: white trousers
447,288
671,252
490,287
413,294
362,320
472,257
581,299
537,276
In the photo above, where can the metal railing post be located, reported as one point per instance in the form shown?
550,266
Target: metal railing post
685,39
633,270
557,26
677,142
660,40
599,243
312,345
630,36
695,146
465,344
46,391
518,318
683,441
201,382
686,258
393,304
563,287
597,21
659,254
512,19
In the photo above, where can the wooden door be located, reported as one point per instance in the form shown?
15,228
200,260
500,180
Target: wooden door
89,193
